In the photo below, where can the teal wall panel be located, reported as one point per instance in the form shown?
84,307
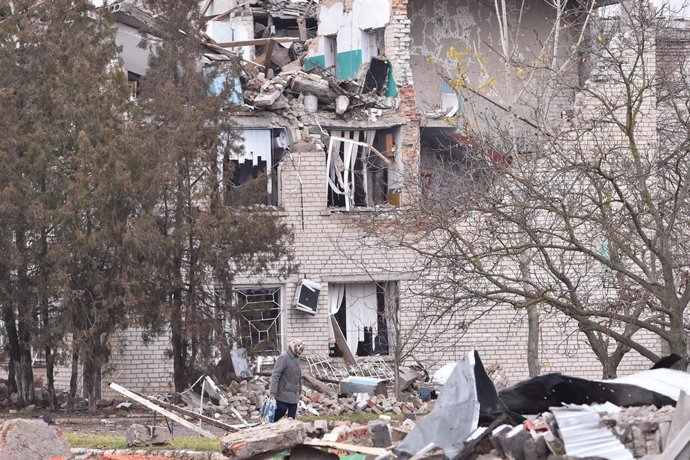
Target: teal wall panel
315,61
347,64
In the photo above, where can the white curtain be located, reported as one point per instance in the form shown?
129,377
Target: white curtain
336,291
361,311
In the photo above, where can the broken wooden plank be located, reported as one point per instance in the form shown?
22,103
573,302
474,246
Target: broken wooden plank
364,144
318,385
341,343
209,420
389,145
227,13
167,414
269,53
302,26
217,49
205,8
380,155
257,42
348,447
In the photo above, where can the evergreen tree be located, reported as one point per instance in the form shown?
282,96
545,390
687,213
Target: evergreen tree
66,187
196,243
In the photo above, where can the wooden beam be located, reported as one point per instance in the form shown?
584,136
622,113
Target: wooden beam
341,343
389,145
135,397
364,144
222,16
217,49
269,53
257,42
204,8
348,447
302,25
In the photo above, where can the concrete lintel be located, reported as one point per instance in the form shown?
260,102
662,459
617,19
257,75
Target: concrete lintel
369,278
329,121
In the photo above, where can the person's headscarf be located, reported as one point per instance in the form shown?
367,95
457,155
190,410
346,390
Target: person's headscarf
296,346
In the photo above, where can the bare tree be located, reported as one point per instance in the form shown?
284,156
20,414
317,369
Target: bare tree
577,211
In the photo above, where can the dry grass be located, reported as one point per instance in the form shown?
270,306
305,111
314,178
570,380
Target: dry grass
114,441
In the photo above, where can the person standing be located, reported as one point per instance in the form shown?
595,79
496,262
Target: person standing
286,380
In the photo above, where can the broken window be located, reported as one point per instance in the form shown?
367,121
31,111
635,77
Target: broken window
252,176
453,166
362,169
331,53
256,320
364,313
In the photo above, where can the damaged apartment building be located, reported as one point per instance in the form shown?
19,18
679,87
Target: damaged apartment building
339,106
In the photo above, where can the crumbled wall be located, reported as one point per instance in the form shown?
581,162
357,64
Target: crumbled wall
471,30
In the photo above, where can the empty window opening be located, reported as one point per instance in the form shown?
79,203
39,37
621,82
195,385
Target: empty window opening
134,83
252,175
362,168
373,43
364,313
256,320
330,52
453,166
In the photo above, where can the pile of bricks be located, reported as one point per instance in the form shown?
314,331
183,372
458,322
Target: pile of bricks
641,429
333,405
248,396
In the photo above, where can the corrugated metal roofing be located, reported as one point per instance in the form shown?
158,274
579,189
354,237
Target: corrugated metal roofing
585,435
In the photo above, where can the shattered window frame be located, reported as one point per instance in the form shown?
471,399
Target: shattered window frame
354,183
256,319
248,177
383,337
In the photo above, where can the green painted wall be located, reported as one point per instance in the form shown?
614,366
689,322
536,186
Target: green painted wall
392,88
347,64
315,61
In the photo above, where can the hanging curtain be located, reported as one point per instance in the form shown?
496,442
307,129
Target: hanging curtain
361,311
336,292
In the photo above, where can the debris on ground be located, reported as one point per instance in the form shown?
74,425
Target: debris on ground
471,419
138,435
31,439
273,437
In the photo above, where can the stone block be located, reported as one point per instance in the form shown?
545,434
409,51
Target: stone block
380,434
32,439
137,435
283,434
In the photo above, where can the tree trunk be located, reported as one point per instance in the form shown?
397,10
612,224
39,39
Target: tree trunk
92,382
50,377
23,370
179,345
20,358
533,340
74,376
12,345
532,322
24,376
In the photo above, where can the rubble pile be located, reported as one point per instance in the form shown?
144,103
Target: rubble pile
298,93
247,396
470,419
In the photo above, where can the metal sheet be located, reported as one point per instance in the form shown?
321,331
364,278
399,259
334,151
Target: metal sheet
585,435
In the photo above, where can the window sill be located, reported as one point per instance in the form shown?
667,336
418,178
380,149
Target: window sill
361,210
277,211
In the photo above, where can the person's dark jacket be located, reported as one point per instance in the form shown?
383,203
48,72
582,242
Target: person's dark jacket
286,379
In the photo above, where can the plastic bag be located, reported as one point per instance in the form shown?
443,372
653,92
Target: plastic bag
268,410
